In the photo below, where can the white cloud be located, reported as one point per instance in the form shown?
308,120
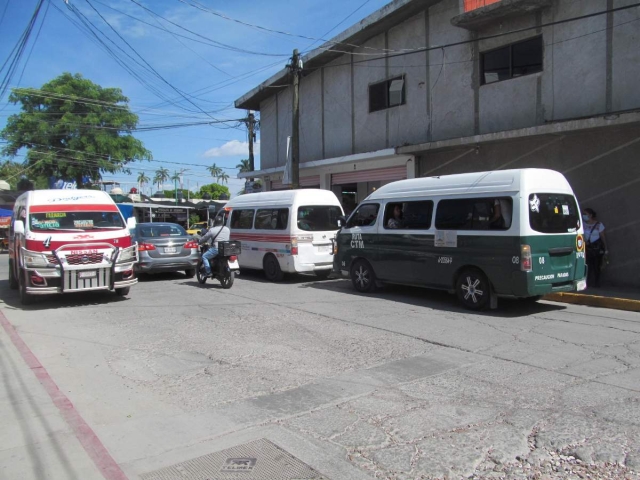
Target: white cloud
234,148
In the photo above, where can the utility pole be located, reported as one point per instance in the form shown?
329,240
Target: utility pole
251,120
296,69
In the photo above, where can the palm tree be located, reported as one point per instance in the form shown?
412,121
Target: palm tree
223,177
215,171
142,180
244,166
162,175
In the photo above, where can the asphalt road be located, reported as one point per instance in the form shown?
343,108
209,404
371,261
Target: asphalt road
398,384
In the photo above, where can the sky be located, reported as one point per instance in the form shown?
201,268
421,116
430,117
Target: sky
203,52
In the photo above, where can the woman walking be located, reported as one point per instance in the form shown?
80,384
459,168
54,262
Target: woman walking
596,246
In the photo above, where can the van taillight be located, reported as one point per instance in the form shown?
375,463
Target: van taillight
526,265
143,247
294,246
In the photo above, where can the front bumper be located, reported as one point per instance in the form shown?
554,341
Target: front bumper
55,281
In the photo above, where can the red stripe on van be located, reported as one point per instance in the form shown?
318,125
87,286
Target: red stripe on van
258,237
83,207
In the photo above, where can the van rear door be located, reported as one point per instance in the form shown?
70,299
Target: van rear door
317,226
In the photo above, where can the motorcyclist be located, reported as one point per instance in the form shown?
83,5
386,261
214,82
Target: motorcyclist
217,233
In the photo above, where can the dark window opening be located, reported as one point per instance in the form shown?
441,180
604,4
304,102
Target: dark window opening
387,94
474,214
553,213
242,219
364,216
516,60
272,219
408,215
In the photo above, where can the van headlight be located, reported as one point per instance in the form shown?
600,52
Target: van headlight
127,255
34,259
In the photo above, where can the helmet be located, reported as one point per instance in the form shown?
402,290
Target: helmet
218,221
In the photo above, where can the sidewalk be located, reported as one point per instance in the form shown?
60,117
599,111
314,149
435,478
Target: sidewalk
607,297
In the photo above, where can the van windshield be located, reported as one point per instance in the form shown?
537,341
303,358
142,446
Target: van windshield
50,221
553,213
319,218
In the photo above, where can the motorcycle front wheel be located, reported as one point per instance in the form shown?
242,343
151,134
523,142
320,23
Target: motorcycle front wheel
200,273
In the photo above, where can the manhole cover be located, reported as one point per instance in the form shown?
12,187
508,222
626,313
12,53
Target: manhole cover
257,460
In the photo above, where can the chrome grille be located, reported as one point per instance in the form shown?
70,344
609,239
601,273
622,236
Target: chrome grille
85,259
73,282
52,259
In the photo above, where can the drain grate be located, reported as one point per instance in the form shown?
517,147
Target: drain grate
257,460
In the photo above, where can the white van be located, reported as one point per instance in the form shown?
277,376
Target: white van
285,232
514,233
64,241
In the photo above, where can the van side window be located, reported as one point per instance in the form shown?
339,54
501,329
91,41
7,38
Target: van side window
242,219
408,215
493,213
272,219
364,216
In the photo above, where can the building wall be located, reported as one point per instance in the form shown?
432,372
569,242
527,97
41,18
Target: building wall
601,166
589,69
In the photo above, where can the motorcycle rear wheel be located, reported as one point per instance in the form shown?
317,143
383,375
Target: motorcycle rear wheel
227,280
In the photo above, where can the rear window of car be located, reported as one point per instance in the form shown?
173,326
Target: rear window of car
319,218
161,231
553,213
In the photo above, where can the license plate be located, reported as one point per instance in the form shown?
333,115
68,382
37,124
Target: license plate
169,249
89,274
324,248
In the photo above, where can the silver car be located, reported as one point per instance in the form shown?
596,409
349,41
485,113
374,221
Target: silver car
165,247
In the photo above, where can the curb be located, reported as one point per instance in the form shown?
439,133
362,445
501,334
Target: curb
595,301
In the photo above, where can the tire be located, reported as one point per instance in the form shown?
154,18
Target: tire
200,273
363,277
323,274
121,292
13,281
227,280
190,273
25,298
272,269
473,289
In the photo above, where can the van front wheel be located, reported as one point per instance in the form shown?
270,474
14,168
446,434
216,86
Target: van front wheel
473,289
362,276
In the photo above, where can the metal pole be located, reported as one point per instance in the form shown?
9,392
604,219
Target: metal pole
250,125
295,127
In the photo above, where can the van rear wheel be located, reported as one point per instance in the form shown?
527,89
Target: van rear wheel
272,269
362,276
473,289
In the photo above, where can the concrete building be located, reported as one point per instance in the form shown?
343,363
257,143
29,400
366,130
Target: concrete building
432,87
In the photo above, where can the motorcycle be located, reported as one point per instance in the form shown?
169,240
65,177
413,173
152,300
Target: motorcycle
224,266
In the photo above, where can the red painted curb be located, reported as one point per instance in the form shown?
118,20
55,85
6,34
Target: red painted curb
86,436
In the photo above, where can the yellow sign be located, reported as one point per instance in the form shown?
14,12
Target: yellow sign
56,215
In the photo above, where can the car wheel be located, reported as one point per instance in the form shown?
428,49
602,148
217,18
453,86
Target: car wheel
473,289
190,273
272,269
200,273
25,298
323,274
362,276
227,280
13,281
121,292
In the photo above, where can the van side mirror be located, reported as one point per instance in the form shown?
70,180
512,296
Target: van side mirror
18,227
131,223
342,221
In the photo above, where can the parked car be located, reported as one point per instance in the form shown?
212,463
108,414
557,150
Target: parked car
195,228
165,247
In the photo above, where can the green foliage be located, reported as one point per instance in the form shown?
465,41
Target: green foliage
11,172
161,176
169,194
194,218
243,166
73,128
215,190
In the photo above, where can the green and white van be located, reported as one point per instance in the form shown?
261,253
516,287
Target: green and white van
515,233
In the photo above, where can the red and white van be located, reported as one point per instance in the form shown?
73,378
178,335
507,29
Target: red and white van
64,241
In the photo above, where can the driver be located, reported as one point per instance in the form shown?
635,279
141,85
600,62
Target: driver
217,233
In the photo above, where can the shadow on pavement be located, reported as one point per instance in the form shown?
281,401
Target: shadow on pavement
44,302
437,299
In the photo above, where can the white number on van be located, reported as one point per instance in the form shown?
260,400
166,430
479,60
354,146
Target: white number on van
541,260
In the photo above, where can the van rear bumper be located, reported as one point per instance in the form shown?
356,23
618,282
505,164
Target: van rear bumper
311,267
524,285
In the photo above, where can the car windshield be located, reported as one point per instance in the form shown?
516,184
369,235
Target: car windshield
48,221
151,231
319,218
553,213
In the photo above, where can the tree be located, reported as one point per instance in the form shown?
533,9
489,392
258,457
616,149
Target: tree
214,190
142,180
243,166
223,177
162,175
215,171
74,129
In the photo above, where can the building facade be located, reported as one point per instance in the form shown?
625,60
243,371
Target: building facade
432,87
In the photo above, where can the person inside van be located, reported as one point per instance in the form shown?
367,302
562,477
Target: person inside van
501,218
396,220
